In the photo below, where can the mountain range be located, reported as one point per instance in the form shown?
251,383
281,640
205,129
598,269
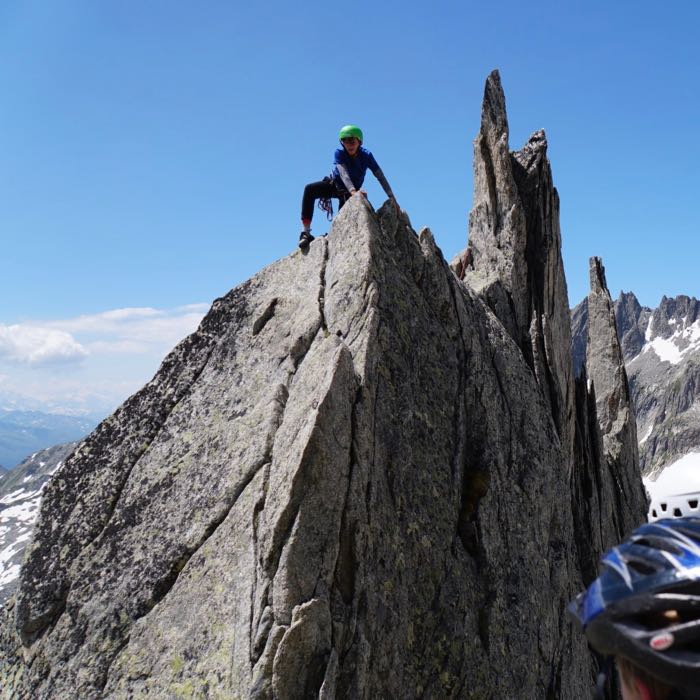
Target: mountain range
661,348
20,497
23,432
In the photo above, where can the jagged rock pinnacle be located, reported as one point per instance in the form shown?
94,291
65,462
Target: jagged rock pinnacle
605,364
516,250
609,500
494,119
606,371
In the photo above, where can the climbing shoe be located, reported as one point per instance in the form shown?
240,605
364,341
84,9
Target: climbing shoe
304,239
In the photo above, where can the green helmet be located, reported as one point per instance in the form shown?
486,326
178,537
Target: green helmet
350,130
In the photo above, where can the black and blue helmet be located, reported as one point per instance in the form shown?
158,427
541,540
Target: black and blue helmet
645,605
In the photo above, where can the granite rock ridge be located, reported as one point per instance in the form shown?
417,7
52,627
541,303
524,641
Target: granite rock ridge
360,477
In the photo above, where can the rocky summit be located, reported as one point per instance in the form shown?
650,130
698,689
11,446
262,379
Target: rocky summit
359,478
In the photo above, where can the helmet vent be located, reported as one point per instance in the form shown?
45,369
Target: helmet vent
657,542
644,568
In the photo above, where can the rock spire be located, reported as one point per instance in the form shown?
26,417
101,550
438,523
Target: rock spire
609,500
515,244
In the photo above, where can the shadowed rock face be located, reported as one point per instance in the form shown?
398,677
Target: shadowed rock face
632,320
354,480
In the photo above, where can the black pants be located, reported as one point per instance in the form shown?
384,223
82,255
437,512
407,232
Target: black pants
323,189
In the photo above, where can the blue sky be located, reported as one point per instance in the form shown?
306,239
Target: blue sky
154,153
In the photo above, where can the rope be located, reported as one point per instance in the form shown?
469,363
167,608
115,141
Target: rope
326,204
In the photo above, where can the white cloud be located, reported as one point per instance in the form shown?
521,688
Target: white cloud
34,345
117,347
106,321
130,330
118,331
120,350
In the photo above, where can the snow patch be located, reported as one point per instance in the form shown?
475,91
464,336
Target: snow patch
669,349
692,333
647,332
12,498
682,476
15,548
25,513
665,349
646,435
18,495
9,575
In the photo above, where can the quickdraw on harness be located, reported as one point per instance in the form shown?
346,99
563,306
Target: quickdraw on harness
325,204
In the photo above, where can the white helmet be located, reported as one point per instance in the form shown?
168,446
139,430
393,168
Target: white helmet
676,491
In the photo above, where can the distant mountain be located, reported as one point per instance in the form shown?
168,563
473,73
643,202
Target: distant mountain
661,348
25,432
95,408
20,494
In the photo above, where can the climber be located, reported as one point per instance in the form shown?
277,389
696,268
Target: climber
644,610
350,165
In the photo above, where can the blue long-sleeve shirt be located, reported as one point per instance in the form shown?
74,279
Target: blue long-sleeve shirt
349,173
